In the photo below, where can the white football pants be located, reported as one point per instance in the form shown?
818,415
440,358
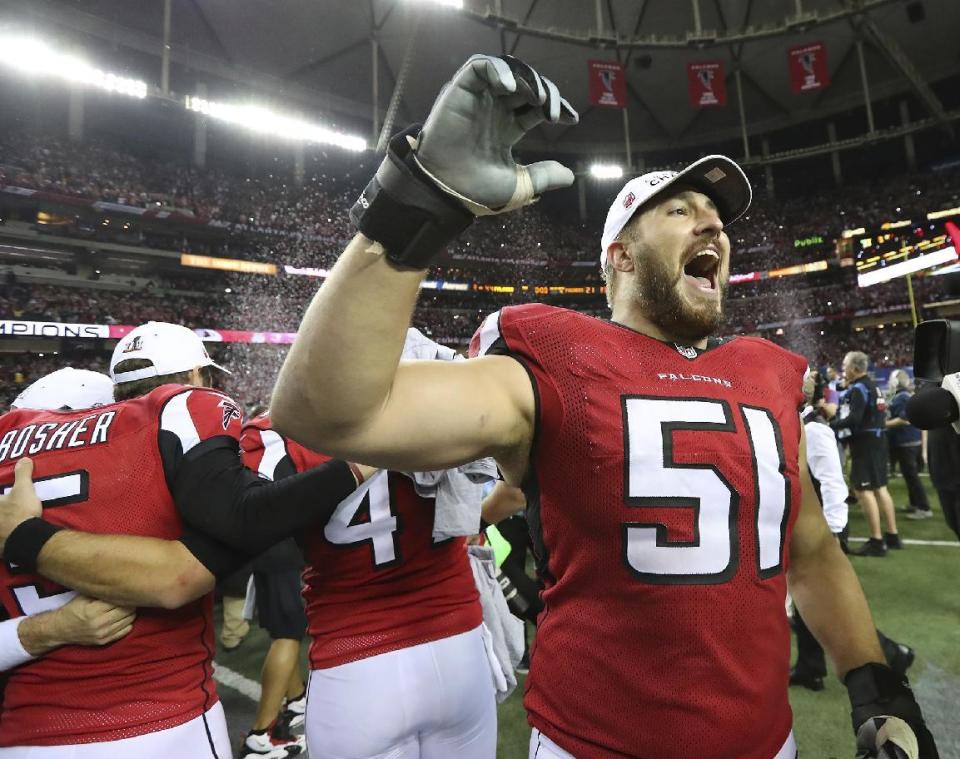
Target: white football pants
187,741
432,701
541,747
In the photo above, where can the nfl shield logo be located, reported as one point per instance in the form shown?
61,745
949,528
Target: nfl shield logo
686,351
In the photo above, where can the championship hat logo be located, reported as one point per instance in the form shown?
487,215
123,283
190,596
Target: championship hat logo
628,201
135,345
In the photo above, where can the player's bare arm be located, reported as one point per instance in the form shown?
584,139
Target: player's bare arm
831,601
342,389
502,502
365,405
124,569
81,621
825,587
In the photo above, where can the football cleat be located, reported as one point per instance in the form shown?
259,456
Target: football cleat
262,745
292,717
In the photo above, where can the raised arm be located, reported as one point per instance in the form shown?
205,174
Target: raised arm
342,389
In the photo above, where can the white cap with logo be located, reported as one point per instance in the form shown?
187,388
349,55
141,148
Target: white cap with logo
716,176
170,348
67,388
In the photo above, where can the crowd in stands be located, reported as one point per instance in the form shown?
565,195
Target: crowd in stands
269,218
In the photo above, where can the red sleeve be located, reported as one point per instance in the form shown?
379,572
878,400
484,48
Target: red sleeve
198,414
264,451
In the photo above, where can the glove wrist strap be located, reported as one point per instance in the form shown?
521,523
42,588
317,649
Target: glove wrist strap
403,209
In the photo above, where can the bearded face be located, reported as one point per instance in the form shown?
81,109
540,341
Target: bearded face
681,259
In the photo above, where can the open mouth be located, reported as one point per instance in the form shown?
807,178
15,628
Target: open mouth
703,270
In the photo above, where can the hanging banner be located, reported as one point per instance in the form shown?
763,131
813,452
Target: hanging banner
608,84
808,67
707,84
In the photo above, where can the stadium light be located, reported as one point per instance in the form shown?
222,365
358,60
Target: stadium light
36,58
446,3
265,121
606,171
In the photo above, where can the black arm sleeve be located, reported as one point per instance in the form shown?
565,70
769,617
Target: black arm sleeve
219,558
215,493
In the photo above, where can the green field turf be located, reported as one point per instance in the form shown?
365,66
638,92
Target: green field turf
915,597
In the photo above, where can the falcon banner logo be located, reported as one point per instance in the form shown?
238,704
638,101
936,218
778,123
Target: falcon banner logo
808,67
608,84
230,411
706,84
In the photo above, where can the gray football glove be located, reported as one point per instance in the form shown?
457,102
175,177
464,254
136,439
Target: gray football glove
466,143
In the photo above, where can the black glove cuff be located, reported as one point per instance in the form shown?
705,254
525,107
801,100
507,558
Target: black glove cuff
403,210
28,538
875,690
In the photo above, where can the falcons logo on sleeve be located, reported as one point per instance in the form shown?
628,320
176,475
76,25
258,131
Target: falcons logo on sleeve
230,411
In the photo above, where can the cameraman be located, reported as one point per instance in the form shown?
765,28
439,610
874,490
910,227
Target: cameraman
943,454
906,443
862,412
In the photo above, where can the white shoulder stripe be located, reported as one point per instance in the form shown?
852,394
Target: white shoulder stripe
489,332
176,419
274,449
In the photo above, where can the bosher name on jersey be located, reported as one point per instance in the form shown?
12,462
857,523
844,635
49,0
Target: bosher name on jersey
53,436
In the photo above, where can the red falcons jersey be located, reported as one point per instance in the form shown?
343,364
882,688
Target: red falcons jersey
375,579
106,470
662,492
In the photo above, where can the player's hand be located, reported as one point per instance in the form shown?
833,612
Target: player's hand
466,143
886,717
892,738
20,502
366,471
91,622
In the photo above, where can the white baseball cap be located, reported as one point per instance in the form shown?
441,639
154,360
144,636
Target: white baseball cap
716,176
171,348
67,388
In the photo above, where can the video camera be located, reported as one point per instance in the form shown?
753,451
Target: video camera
936,359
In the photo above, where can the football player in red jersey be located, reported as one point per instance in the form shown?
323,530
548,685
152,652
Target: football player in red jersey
81,620
665,472
394,618
152,468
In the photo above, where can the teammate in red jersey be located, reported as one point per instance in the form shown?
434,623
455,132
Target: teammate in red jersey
81,620
394,618
165,458
664,470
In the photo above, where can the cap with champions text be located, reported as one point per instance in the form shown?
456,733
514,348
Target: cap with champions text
171,348
67,388
716,176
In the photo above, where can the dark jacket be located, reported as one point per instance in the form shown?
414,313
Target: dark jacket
862,411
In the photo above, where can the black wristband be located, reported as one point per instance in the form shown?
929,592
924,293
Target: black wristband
28,538
404,210
875,689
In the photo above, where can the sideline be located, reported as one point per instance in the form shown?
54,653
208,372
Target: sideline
243,685
913,542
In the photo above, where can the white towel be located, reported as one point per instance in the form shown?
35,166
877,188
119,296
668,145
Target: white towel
502,632
458,492
458,495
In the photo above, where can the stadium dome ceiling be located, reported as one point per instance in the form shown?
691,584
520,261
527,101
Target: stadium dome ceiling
318,54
